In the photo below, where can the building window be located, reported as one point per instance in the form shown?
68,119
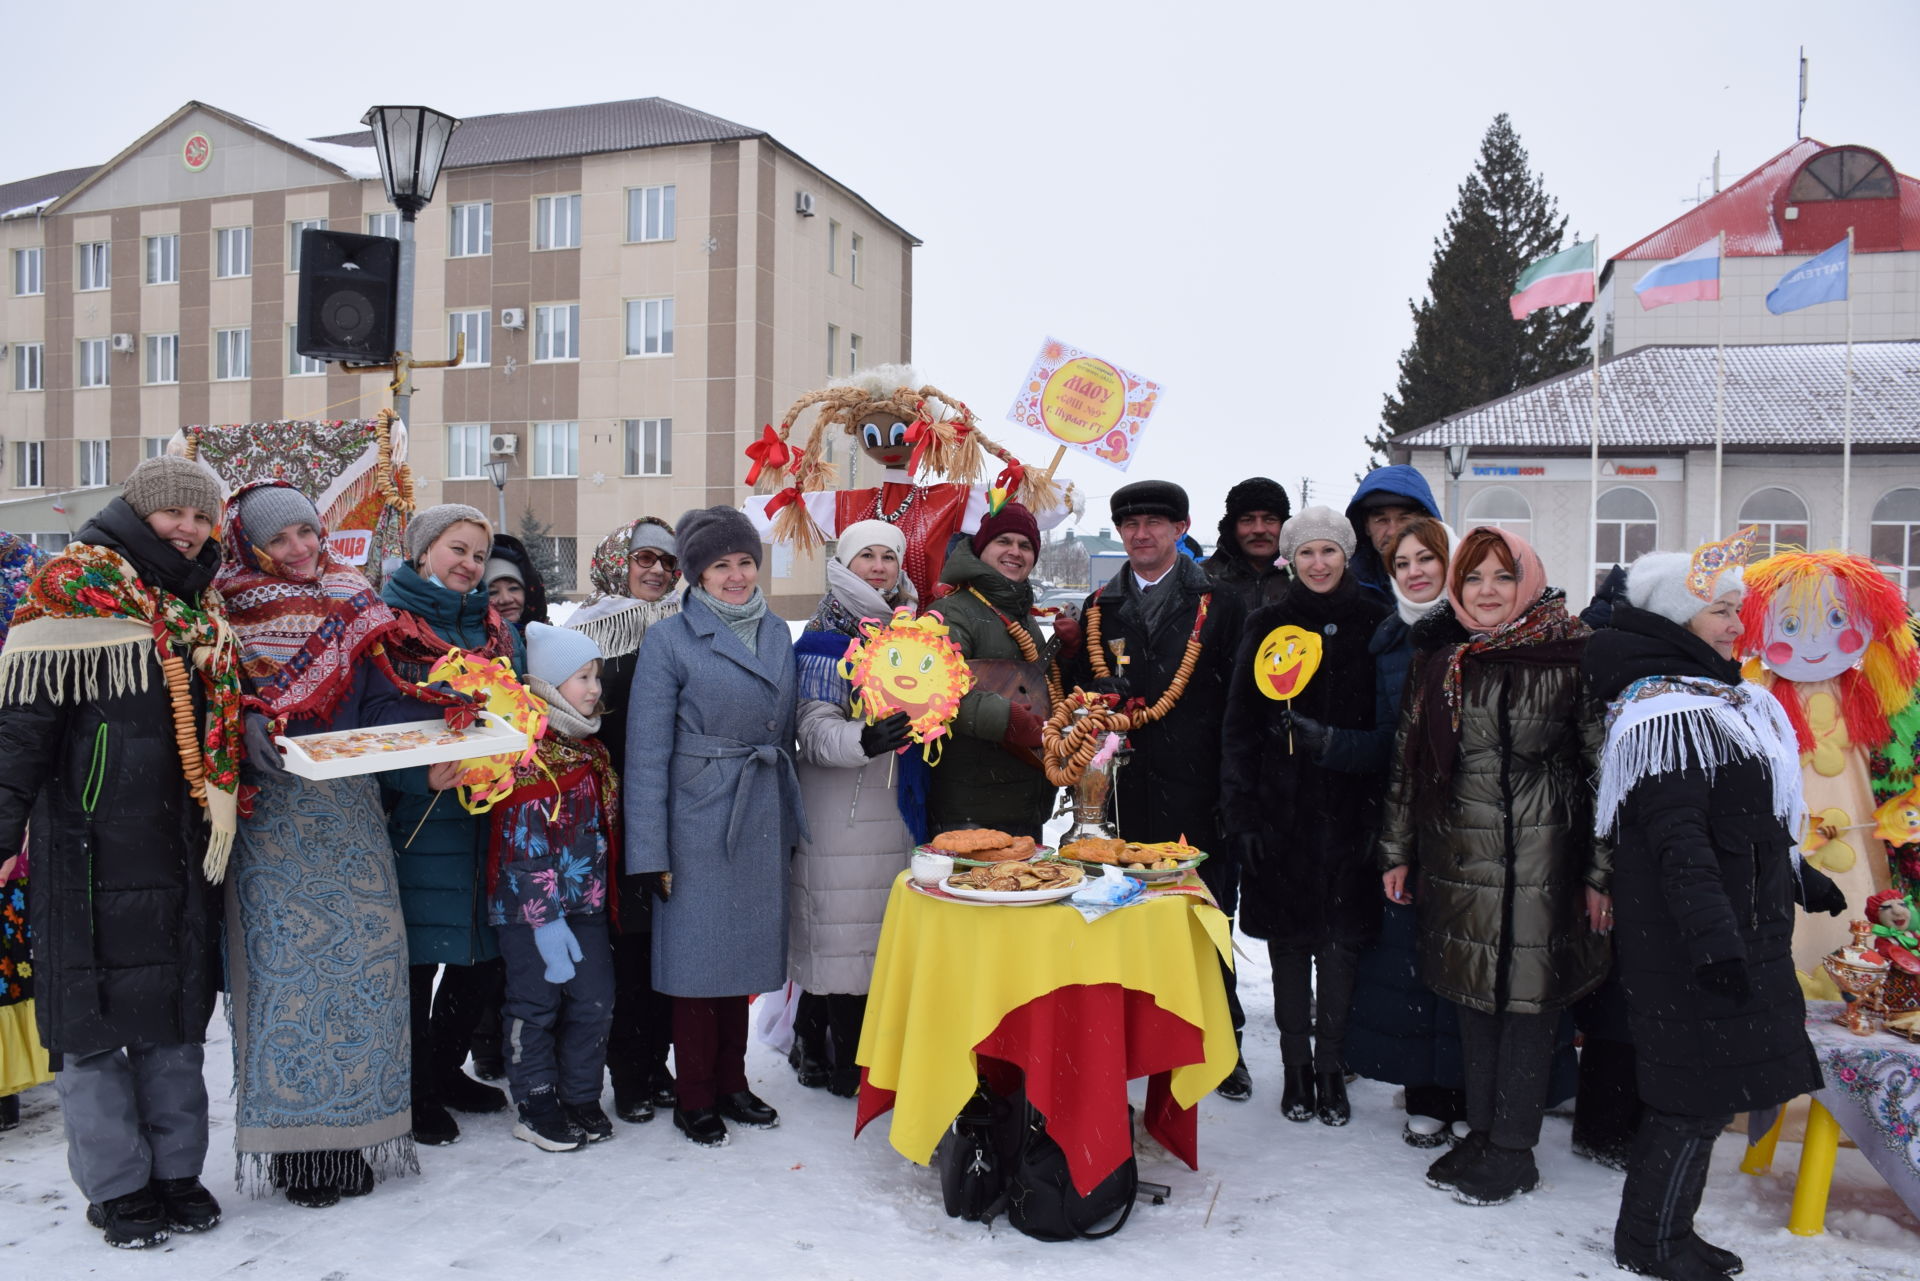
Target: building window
1844,173
466,451
153,446
233,252
556,449
853,354
96,263
833,247
1628,528
163,260
29,464
163,358
833,347
30,366
52,544
299,366
94,472
649,446
472,230
293,238
29,275
1781,518
1501,508
384,224
93,362
232,352
556,222
561,571
649,213
478,327
650,327
1895,538
853,258
556,332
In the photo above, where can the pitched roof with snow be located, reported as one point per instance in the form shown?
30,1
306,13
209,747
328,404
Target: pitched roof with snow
1785,397
575,131
30,195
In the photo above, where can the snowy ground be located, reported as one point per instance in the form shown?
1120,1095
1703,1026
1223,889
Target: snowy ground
1272,1199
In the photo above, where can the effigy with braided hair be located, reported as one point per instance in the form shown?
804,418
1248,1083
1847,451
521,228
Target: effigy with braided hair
933,479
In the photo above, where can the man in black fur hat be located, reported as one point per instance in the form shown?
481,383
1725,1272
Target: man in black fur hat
1243,560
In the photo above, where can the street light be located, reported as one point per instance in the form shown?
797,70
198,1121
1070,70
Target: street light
411,143
1456,463
497,473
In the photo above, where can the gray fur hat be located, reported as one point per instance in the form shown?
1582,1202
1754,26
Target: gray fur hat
428,525
705,534
1315,523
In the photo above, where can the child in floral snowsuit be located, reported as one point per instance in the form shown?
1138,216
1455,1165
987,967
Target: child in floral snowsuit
547,896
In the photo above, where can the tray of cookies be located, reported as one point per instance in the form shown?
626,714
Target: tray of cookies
1155,861
1015,884
378,748
983,846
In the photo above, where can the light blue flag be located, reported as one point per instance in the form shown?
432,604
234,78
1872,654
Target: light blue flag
1822,278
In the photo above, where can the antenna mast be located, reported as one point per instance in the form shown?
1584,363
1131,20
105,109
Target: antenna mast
1800,111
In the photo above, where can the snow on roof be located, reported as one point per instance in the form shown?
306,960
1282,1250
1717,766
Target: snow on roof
30,195
358,162
1779,396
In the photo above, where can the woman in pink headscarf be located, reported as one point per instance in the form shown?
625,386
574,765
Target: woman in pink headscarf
1489,834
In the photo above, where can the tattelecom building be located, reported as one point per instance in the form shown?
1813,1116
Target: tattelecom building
641,285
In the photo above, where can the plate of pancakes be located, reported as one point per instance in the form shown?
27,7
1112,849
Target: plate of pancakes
1015,884
983,846
1159,861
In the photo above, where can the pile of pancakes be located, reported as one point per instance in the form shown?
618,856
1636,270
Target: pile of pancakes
983,845
1008,877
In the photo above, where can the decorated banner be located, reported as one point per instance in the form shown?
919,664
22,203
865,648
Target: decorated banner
909,665
1085,403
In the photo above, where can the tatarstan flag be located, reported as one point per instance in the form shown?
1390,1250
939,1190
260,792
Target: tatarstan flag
1554,281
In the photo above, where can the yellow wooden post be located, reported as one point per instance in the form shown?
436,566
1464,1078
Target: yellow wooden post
1758,1158
1810,1188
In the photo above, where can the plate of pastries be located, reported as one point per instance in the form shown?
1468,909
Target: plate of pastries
983,846
1152,861
1016,884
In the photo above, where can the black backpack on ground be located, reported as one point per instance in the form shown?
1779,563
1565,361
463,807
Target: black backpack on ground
1042,1202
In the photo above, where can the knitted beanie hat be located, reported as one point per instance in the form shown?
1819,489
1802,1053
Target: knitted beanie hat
1315,524
655,534
1657,583
555,653
269,509
862,534
1010,519
169,480
501,567
427,526
1149,498
705,534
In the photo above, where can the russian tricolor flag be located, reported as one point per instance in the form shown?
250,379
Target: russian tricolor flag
1692,277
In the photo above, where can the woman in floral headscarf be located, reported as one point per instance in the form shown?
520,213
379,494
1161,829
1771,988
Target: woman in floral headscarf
636,583
23,1061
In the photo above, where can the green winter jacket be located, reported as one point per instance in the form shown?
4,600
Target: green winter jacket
978,783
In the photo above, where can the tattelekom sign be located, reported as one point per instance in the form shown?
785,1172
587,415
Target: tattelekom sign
1522,469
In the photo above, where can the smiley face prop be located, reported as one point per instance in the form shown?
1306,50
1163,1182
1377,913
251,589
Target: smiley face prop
909,665
1286,660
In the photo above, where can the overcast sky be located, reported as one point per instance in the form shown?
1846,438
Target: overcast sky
1231,199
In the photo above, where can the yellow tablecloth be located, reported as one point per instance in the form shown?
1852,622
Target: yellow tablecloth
947,973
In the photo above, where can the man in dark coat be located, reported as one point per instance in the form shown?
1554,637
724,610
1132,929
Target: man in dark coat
1170,786
1243,559
1387,501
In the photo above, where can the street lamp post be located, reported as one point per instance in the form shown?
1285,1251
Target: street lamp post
497,473
411,143
1456,464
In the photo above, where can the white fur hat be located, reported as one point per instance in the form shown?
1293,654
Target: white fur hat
1663,583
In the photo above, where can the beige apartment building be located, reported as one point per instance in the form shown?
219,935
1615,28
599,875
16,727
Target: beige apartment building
641,285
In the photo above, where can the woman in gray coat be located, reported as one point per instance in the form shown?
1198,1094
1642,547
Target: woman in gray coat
868,809
713,811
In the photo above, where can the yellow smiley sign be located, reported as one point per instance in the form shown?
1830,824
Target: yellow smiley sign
1286,661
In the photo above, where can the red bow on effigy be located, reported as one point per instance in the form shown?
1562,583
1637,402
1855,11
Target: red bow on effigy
785,498
768,451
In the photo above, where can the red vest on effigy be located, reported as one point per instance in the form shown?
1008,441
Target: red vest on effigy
927,515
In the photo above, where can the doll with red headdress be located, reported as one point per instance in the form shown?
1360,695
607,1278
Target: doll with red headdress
914,433
1829,635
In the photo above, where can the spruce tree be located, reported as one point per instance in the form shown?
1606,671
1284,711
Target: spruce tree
1467,348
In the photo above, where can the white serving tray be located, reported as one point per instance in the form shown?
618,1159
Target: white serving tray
488,736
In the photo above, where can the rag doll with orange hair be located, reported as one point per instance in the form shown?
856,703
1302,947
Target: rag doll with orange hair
1828,634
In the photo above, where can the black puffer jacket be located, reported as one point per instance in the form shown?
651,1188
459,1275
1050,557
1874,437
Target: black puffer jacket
1703,872
124,922
1256,585
1314,881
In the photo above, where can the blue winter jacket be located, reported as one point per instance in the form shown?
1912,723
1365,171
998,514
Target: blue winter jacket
1402,480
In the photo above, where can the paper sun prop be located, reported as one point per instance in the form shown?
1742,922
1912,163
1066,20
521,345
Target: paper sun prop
486,781
1286,661
909,665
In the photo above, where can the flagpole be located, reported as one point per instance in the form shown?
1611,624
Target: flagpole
1719,384
1846,418
1593,443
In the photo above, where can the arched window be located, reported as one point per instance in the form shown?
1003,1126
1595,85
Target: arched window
1781,518
1896,539
1628,527
1502,508
1843,173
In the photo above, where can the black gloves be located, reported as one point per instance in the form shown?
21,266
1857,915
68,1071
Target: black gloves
1115,685
1246,849
1309,735
658,884
1817,892
889,735
262,752
1726,978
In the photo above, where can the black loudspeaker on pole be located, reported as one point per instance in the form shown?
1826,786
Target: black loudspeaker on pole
347,290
